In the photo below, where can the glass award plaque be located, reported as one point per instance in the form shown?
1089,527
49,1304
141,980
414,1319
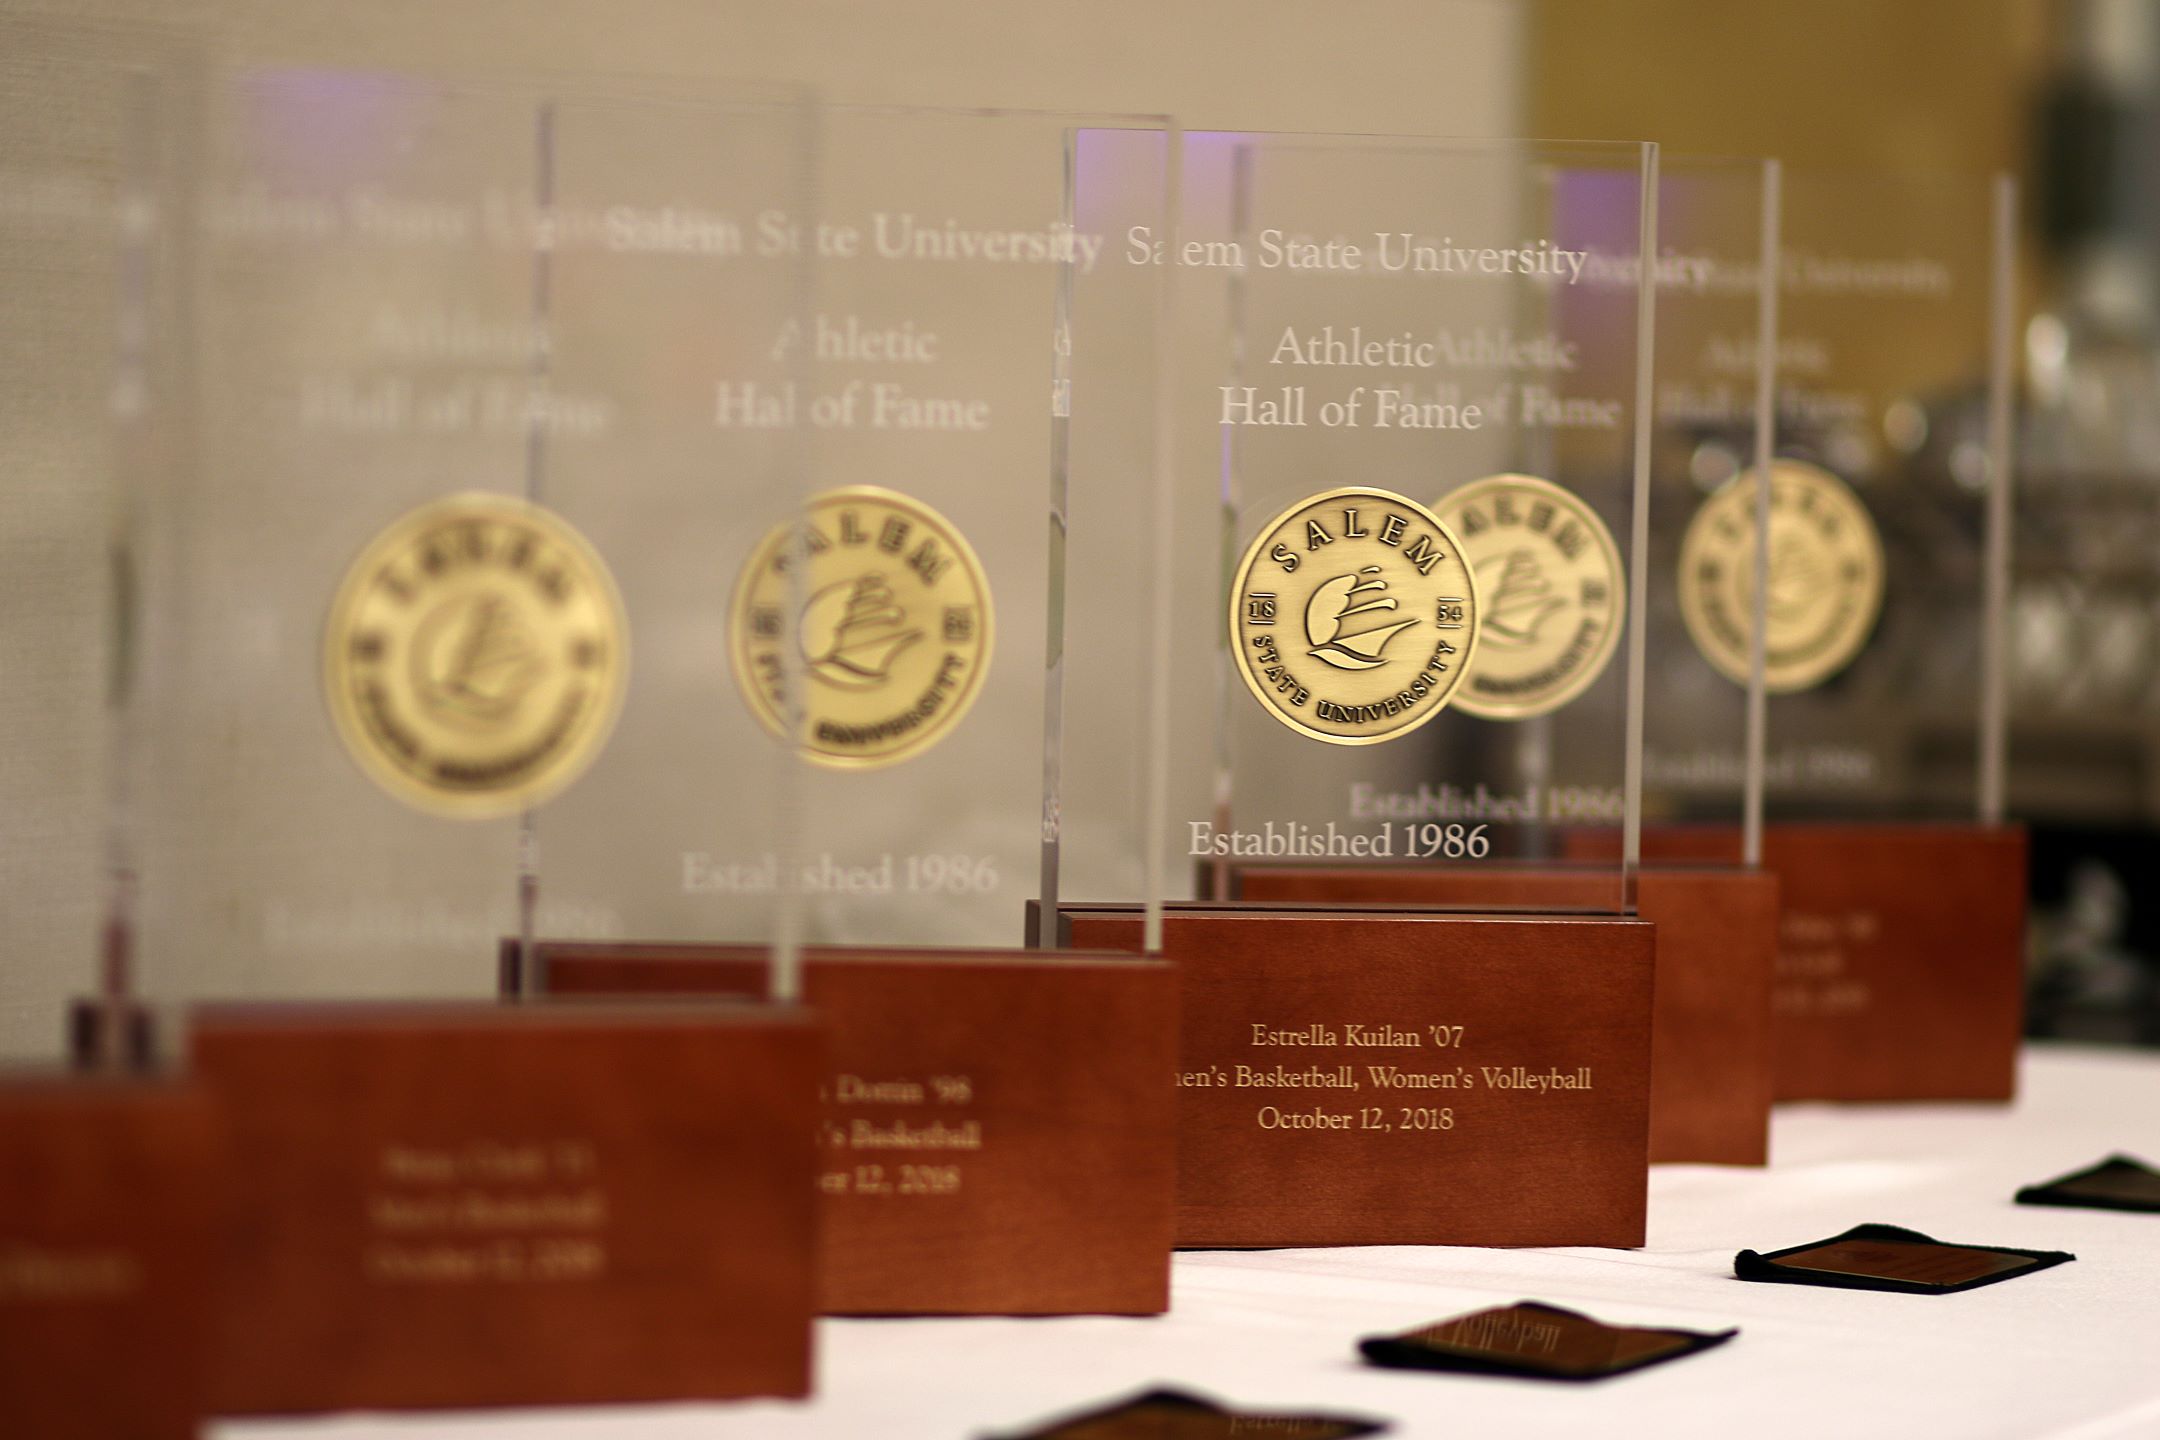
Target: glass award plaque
1703,722
976,381
441,529
957,627
1715,428
1703,711
1412,428
106,1180
1887,539
88,157
1500,328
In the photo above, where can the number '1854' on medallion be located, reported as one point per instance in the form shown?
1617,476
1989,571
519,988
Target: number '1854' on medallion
1354,616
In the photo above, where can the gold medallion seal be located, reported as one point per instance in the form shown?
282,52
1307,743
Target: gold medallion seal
1826,576
889,622
1354,616
475,656
1554,591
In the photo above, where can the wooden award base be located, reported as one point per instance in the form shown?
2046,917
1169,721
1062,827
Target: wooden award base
1367,1078
445,1206
105,1217
998,1131
1901,960
1717,930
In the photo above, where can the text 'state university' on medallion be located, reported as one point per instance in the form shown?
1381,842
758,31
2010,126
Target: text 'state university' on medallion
1826,577
890,625
1554,594
1354,616
475,656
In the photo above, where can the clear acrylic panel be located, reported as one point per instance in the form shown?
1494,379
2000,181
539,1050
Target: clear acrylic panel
1717,330
90,159
981,403
689,292
1418,397
1889,528
445,541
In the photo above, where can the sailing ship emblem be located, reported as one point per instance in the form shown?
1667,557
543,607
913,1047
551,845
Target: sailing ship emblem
852,631
474,661
1335,602
475,656
1799,577
1824,591
892,637
1553,588
1524,602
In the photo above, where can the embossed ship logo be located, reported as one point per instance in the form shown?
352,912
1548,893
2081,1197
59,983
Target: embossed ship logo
1799,577
1334,604
852,631
1522,602
474,661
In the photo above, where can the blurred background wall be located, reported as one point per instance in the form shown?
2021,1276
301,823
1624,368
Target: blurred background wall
1916,85
2060,93
1433,66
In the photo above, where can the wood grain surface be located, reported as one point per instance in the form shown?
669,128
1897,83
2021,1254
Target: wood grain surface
1711,1046
442,1206
1277,999
105,1214
1901,956
1047,1189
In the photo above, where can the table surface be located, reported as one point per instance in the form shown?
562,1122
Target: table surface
2073,1351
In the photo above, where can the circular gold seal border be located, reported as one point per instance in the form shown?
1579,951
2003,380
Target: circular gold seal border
1593,668
499,508
761,555
1807,473
1244,570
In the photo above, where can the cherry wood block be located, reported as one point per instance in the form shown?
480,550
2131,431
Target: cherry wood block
1374,1078
998,1126
446,1206
1901,956
1711,1059
105,1215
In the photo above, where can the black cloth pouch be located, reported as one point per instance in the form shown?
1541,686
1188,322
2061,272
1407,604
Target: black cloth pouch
1890,1257
1534,1340
2120,1182
1175,1415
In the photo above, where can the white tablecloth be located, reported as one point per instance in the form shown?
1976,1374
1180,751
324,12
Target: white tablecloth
2069,1352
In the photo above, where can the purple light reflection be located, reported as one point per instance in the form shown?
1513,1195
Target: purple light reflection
311,129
